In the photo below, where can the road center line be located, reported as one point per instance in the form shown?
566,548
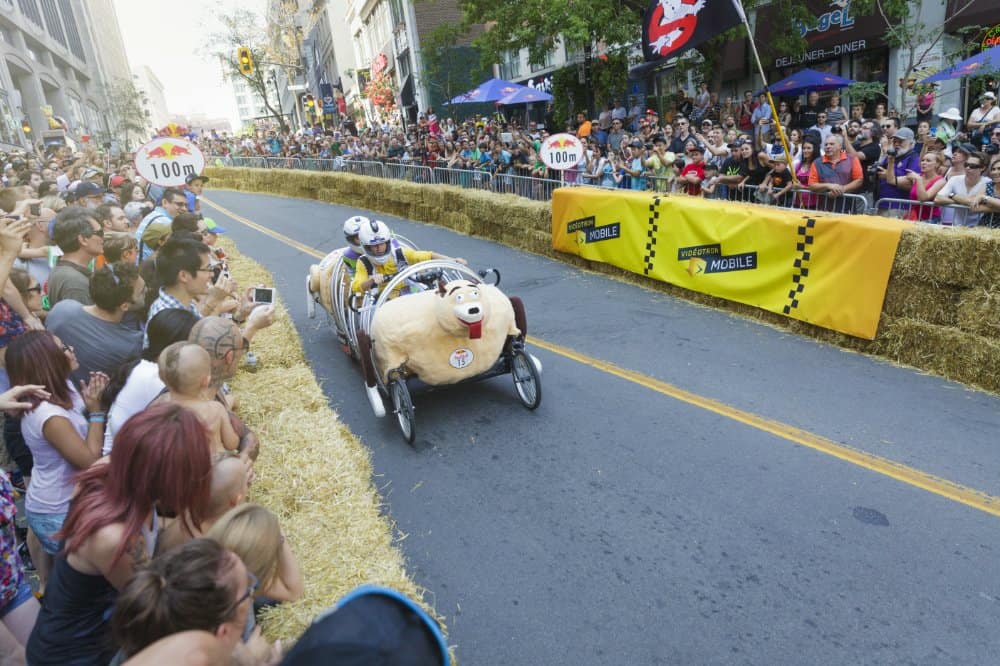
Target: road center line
909,475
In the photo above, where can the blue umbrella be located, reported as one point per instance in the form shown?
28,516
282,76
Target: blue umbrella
525,95
984,62
493,90
806,81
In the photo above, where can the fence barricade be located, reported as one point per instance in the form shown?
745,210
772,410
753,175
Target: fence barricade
538,189
415,173
924,211
365,168
470,179
322,164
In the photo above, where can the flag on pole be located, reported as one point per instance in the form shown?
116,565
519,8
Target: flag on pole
671,27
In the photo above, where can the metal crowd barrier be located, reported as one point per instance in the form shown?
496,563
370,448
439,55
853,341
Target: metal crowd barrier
541,189
415,173
470,179
928,211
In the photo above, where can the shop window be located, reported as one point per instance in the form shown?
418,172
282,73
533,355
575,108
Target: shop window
510,68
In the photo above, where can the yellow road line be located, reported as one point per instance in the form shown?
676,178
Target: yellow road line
898,471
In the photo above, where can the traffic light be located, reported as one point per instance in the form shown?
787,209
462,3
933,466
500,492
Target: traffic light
309,102
244,60
26,126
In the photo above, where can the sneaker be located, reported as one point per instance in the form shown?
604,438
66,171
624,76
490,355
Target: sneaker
22,552
17,480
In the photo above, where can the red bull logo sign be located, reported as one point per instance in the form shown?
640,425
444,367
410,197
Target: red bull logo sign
169,161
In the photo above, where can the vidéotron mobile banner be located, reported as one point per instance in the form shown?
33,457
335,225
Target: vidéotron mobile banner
828,270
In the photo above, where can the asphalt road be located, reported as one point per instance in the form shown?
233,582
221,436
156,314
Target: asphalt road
618,525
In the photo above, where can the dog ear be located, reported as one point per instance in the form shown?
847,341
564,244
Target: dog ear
441,291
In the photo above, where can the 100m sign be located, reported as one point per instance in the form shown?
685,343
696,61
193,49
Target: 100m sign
168,169
169,161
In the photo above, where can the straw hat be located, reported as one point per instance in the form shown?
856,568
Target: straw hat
951,114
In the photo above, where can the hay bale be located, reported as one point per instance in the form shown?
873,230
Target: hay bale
315,475
978,311
906,297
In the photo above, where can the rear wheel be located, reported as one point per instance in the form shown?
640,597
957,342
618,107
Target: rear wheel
403,407
365,352
520,318
527,382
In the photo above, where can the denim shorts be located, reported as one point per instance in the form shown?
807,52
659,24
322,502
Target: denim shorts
23,594
44,525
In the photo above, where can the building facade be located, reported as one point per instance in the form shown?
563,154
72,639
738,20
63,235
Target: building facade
387,36
154,101
57,59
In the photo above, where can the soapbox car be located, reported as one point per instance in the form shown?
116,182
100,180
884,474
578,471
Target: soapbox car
449,326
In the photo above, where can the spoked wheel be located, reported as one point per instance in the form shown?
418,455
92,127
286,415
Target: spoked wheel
403,406
527,382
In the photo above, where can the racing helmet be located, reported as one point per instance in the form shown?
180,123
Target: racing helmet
376,232
352,227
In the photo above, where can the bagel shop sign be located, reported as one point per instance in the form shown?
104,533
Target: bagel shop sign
836,30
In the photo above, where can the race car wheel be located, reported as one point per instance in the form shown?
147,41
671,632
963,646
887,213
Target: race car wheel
365,352
403,407
527,381
520,318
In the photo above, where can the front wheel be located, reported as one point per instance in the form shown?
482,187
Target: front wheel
402,405
527,381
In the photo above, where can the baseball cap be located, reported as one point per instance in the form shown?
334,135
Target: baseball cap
88,189
196,176
213,227
904,133
116,181
154,233
92,171
372,625
966,148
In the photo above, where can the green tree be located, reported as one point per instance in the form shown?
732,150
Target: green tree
449,64
245,28
128,119
917,41
539,25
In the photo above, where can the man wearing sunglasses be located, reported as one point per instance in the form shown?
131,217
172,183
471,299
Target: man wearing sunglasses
81,238
171,205
965,188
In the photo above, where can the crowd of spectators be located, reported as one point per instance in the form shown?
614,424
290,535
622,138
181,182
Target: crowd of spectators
708,146
120,326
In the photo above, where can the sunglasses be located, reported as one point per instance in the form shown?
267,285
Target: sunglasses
97,232
973,166
886,126
252,585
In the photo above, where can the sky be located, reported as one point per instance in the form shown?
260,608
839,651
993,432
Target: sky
170,37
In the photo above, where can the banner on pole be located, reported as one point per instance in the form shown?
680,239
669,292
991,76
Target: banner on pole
671,27
828,270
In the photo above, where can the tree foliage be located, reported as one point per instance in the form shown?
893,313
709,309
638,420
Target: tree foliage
126,105
245,28
448,68
917,42
540,25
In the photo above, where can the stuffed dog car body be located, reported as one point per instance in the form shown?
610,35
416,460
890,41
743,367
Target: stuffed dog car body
445,335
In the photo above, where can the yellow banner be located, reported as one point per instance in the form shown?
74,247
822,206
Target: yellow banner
826,269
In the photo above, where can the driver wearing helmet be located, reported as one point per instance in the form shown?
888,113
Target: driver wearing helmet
383,257
353,251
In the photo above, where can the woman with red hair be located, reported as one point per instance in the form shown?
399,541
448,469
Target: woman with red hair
160,462
61,439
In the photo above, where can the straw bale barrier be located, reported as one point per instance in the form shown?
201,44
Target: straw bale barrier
941,312
313,473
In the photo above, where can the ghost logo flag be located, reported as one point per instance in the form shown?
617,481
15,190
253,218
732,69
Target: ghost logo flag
671,27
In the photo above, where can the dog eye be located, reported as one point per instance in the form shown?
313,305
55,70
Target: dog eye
475,294
459,298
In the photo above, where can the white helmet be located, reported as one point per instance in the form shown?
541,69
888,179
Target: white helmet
376,232
352,226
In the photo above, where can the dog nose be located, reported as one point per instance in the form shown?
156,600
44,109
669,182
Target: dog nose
473,310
